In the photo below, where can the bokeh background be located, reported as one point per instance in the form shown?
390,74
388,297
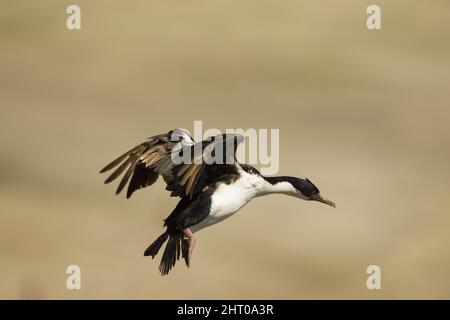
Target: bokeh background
364,114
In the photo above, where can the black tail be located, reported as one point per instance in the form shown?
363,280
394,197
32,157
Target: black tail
175,247
153,249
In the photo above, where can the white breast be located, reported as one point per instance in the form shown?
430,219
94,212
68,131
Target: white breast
229,198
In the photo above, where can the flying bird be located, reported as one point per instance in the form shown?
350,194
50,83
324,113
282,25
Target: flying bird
210,190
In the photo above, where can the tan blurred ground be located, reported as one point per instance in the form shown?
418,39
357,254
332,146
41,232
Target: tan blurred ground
364,114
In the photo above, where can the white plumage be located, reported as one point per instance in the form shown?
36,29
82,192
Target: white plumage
241,191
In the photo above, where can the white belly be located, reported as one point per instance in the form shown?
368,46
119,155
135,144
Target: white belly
226,200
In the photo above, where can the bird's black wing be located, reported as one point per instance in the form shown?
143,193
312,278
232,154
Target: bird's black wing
198,163
144,163
208,159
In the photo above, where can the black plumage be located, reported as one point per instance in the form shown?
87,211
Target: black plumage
193,182
211,185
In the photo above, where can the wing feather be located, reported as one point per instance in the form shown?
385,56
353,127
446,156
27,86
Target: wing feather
118,171
115,162
126,177
146,162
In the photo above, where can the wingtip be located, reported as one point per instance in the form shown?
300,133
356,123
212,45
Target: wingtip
108,180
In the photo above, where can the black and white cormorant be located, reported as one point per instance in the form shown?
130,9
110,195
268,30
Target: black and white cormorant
210,191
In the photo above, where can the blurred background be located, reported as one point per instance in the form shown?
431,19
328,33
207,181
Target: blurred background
364,114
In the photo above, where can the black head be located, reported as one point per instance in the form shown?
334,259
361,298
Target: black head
306,187
308,191
300,188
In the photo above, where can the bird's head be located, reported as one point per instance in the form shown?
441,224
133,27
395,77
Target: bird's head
306,190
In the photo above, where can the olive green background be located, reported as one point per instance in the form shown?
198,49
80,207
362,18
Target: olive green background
363,114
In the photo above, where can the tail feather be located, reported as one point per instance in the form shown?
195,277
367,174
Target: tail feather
170,254
153,249
176,246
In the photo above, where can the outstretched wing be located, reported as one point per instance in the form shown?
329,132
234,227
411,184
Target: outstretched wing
197,162
143,163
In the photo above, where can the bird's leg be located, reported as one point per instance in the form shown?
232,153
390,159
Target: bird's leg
192,241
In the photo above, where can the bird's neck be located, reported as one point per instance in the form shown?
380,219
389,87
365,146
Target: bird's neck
273,185
262,185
